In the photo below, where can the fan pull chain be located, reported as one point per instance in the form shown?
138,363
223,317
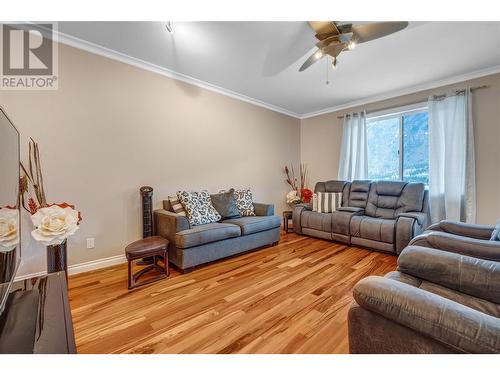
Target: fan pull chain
327,71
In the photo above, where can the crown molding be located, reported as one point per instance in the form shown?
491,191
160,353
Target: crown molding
142,64
406,91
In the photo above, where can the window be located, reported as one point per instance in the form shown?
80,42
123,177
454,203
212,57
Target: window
398,146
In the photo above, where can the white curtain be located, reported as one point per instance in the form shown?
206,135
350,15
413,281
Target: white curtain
452,182
353,162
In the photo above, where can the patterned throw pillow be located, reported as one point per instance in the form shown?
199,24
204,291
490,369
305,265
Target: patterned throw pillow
244,202
198,207
176,205
328,202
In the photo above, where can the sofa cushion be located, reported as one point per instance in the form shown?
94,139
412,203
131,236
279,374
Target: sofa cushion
225,204
475,303
207,233
411,199
372,228
244,201
387,199
341,221
316,220
254,224
358,193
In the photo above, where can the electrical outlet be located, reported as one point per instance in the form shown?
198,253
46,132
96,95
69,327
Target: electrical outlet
90,243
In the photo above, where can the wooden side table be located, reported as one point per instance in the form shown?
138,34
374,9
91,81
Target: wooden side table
153,247
287,216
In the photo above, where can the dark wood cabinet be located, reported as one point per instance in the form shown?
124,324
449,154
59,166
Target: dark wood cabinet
37,317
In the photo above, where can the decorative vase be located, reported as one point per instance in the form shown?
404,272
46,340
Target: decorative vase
57,258
7,266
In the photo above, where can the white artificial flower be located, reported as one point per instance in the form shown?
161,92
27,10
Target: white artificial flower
54,224
9,229
292,197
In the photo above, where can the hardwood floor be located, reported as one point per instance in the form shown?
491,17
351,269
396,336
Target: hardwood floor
291,298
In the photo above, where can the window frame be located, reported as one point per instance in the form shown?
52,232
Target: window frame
398,113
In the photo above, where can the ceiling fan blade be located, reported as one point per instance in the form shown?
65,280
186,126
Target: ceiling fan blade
370,31
311,60
324,27
287,48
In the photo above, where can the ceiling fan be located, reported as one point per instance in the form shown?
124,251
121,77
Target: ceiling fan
335,37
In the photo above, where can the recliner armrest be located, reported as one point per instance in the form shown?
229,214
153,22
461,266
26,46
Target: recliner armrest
167,224
296,216
263,209
354,210
485,249
307,206
482,232
409,225
473,276
421,217
444,320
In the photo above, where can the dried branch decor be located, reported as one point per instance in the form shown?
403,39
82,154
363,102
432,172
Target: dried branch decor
298,194
34,176
55,222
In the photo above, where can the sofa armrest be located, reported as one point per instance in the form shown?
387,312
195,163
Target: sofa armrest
461,327
420,217
472,247
263,209
482,232
354,210
473,276
296,216
408,225
167,224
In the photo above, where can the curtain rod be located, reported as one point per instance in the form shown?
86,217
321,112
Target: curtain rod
437,97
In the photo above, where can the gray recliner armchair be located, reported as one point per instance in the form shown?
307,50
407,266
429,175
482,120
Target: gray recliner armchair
436,302
479,241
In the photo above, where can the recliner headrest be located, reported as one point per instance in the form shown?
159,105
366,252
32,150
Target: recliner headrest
391,188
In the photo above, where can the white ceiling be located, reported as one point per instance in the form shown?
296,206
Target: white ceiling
260,60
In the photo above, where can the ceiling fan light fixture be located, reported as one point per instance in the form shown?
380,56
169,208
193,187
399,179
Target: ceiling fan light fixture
169,27
318,54
351,45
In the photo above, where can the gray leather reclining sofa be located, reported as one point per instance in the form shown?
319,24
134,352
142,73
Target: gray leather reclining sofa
443,298
192,246
479,241
380,215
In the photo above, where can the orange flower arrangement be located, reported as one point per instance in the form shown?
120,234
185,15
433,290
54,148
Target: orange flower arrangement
306,195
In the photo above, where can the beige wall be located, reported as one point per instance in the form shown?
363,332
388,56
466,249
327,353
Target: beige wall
321,139
111,128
